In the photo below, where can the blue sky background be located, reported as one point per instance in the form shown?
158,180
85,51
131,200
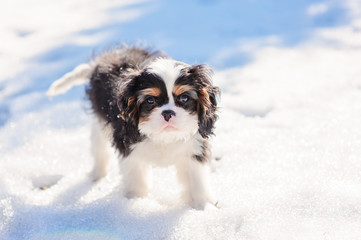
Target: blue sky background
191,31
195,31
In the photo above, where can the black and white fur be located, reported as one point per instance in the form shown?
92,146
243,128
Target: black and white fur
155,111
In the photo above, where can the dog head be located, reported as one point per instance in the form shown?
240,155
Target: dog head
170,100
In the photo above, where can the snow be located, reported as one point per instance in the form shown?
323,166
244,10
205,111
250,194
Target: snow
288,139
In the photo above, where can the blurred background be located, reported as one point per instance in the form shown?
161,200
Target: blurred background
42,40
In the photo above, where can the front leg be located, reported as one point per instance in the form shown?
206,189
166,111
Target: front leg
135,177
193,175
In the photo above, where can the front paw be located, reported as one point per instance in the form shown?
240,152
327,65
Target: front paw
97,174
200,202
135,192
201,205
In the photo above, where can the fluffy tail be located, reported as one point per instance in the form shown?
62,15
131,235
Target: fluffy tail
80,75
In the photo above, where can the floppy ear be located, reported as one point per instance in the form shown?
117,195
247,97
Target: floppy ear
127,100
207,99
127,105
125,126
207,110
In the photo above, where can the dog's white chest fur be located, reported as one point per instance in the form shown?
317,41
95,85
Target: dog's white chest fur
164,154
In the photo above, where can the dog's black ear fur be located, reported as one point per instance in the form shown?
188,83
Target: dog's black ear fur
127,101
207,98
125,126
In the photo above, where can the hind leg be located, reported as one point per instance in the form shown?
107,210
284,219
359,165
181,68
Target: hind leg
100,147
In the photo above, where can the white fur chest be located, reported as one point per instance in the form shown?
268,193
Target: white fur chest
164,154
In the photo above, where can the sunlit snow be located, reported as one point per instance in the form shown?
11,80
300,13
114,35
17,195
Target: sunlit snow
288,141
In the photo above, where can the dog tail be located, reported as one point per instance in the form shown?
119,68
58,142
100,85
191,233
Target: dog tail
80,75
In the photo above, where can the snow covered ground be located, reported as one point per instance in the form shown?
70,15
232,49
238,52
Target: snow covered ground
288,139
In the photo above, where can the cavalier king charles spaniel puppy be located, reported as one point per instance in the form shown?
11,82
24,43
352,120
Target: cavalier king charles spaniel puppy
155,111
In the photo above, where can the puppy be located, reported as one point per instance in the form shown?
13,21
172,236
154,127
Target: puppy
155,111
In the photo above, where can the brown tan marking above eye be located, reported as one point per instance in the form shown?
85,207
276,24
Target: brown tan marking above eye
151,92
179,89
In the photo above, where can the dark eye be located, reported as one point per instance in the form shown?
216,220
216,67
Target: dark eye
184,98
150,100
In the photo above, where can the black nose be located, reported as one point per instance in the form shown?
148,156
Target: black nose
167,114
